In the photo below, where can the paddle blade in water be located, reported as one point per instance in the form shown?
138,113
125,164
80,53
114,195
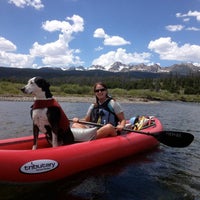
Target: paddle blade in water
175,138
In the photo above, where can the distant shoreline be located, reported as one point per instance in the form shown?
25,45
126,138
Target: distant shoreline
76,99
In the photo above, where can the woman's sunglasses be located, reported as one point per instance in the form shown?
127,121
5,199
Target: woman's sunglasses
102,89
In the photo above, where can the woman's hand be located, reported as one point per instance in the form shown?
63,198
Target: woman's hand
75,119
119,127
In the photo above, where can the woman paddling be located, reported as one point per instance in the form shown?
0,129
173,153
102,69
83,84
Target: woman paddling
104,111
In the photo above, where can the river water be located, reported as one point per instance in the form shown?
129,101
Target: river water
163,174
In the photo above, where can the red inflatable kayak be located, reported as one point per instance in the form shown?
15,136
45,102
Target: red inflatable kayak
18,163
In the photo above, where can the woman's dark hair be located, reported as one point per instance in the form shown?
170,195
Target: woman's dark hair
99,83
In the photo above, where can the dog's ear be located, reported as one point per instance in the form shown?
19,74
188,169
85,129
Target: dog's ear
42,83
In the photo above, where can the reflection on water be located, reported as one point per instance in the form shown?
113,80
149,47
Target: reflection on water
164,174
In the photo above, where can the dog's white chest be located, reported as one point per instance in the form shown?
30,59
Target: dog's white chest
40,119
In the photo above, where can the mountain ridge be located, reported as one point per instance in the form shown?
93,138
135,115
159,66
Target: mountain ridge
182,68
116,69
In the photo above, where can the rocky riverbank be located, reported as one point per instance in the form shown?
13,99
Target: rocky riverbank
75,99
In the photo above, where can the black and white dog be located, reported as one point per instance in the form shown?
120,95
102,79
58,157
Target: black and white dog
47,115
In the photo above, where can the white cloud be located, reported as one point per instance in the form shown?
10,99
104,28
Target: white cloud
122,56
61,60
169,50
192,29
78,23
15,60
58,53
110,40
55,25
115,41
190,13
49,49
99,48
99,33
174,28
65,27
186,18
6,45
8,59
37,4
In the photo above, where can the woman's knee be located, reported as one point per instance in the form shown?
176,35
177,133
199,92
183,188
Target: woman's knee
106,131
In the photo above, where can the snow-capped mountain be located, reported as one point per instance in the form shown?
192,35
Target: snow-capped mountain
184,68
177,69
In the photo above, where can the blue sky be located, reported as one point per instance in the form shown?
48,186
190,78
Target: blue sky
64,33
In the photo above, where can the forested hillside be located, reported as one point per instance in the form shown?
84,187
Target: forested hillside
123,83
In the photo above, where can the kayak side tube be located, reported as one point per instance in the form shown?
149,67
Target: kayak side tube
20,164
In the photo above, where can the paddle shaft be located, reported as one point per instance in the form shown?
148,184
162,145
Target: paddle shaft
169,138
101,125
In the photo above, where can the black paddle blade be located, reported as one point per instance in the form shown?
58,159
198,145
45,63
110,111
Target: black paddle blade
174,138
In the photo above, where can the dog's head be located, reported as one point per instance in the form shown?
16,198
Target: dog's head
37,86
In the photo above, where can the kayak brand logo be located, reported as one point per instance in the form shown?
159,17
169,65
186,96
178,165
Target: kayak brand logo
39,166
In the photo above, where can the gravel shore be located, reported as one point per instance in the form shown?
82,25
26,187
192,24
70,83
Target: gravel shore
75,99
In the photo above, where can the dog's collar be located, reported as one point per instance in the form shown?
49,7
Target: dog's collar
39,103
